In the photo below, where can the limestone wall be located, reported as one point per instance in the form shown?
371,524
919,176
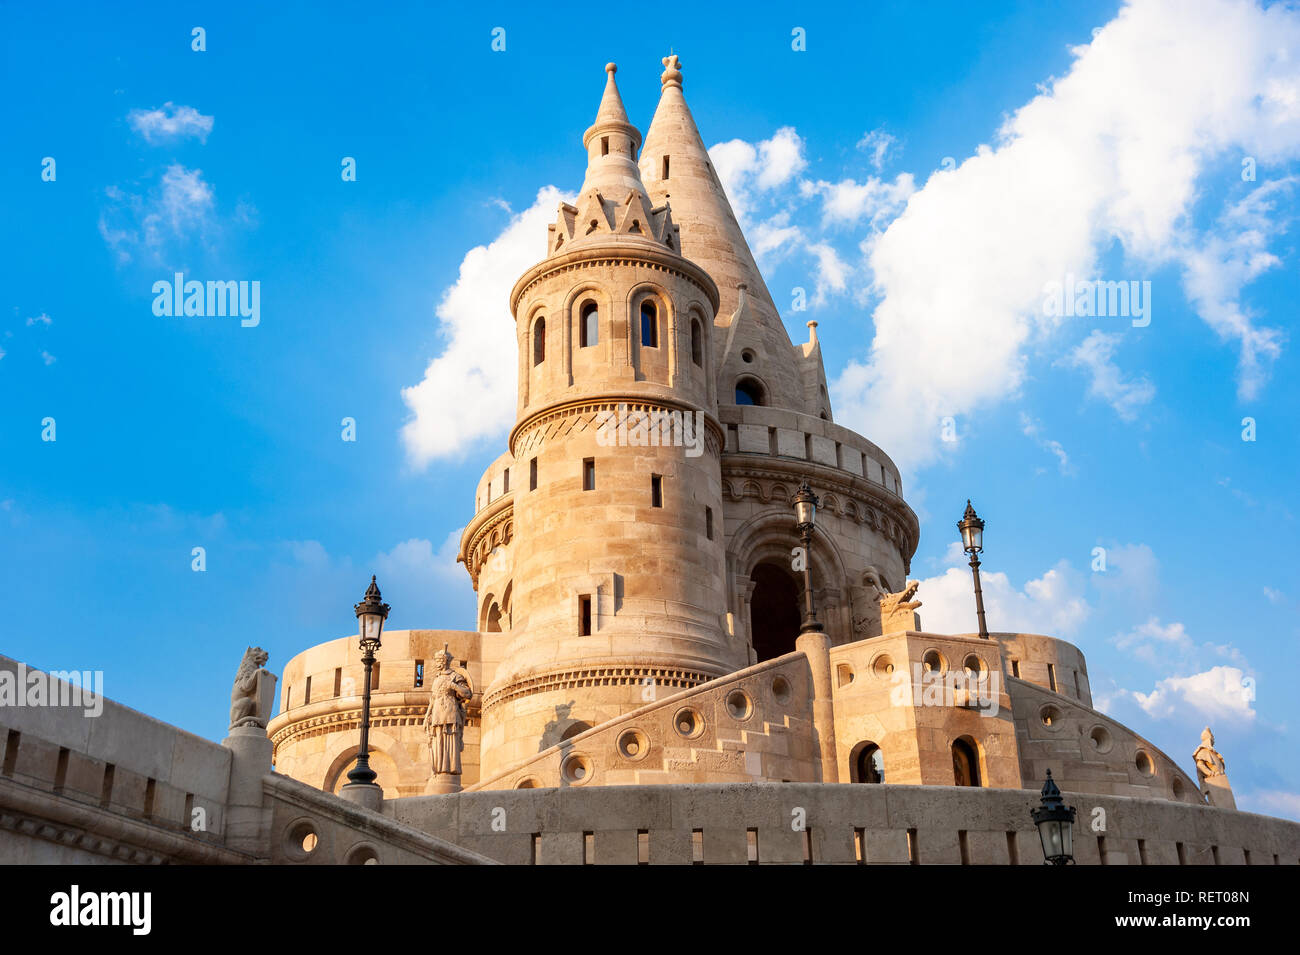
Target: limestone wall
926,825
750,725
139,770
1088,751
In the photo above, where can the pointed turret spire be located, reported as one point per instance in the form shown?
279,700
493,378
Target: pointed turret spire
613,201
676,168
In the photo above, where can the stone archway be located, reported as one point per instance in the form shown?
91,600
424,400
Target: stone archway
769,538
774,611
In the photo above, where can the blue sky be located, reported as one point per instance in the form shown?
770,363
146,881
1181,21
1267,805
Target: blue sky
1086,139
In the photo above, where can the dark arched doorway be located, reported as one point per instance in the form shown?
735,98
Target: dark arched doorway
965,763
773,611
868,764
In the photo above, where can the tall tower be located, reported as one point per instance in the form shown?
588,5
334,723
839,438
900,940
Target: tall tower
619,553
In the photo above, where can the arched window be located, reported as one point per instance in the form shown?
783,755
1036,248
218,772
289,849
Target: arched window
749,392
539,341
649,325
869,764
965,763
590,332
697,342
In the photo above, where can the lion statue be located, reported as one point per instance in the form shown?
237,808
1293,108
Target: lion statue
246,694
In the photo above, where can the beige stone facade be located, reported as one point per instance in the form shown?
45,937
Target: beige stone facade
639,611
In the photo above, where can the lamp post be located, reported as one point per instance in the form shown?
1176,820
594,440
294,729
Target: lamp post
1055,822
805,517
972,542
371,614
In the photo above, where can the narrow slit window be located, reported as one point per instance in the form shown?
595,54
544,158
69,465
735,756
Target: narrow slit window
697,343
708,523
306,693
338,681
649,325
532,475
505,480
589,334
589,474
665,175
656,490
419,673
539,341
604,145
584,615
1051,677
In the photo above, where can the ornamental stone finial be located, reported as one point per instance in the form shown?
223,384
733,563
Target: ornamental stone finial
672,74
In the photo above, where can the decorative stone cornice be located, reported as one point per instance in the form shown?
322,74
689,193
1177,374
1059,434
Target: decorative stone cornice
677,678
533,431
647,254
842,493
493,526
348,718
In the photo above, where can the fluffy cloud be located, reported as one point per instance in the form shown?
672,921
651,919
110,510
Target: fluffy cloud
746,169
1105,380
1034,429
169,123
1221,692
181,208
850,203
877,143
1110,152
1052,604
468,392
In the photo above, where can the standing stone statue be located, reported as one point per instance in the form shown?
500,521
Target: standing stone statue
444,724
1212,773
253,694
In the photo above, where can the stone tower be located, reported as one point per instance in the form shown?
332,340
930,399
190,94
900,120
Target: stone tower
618,537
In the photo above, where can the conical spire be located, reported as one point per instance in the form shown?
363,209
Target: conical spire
676,169
613,202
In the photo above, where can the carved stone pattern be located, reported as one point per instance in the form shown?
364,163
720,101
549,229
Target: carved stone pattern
533,432
770,485
597,676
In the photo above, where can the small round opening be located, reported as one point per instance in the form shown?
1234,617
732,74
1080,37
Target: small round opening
527,783
576,768
1144,764
633,744
739,705
781,689
747,356
883,666
932,661
1050,715
688,723
1100,737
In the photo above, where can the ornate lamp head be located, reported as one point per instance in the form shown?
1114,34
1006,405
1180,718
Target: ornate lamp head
972,530
371,614
805,508
1055,822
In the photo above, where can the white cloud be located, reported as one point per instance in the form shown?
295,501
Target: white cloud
1157,643
41,319
1052,604
1105,380
831,271
1112,151
1274,596
1221,692
1227,260
1275,802
1033,429
170,122
849,202
877,143
746,170
181,208
468,392
48,358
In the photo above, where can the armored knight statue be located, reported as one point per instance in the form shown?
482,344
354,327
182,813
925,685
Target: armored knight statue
1212,773
444,723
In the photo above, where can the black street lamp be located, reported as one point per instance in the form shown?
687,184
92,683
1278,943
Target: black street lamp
972,542
371,614
1055,822
805,517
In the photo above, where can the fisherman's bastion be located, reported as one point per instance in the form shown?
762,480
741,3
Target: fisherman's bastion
696,639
